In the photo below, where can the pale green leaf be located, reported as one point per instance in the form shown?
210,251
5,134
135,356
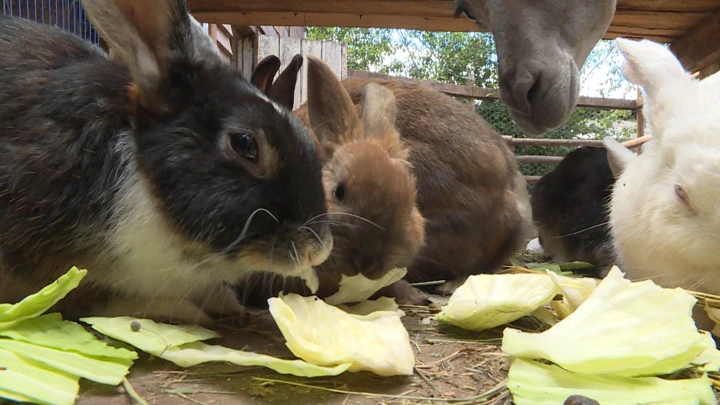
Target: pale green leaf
24,380
534,383
51,330
326,335
485,301
35,304
102,370
181,345
191,354
623,328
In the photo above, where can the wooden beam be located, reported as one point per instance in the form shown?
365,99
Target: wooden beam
668,5
491,94
660,20
700,46
339,20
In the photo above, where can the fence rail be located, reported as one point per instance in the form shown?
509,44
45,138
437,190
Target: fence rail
66,14
481,93
472,92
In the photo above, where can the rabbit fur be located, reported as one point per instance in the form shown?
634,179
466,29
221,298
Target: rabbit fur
472,198
167,176
664,213
569,207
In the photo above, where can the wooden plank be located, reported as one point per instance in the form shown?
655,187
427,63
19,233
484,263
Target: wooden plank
429,8
331,54
343,61
222,39
656,19
266,45
669,5
492,94
537,159
412,7
700,46
249,45
341,20
290,47
428,14
313,48
552,142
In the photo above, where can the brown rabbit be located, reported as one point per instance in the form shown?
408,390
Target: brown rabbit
466,176
370,188
468,189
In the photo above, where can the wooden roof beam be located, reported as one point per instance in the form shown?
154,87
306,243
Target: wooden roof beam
426,23
699,48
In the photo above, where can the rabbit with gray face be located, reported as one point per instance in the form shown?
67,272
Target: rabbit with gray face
569,207
664,214
167,176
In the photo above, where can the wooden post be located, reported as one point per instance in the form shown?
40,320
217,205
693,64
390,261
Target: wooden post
639,102
471,84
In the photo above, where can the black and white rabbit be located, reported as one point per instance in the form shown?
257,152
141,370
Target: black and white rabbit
165,174
569,207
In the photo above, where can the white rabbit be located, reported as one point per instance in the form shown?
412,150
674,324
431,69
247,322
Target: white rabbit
664,214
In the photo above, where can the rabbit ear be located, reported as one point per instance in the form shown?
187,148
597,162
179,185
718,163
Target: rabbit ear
378,105
618,156
649,64
283,90
264,73
144,33
331,113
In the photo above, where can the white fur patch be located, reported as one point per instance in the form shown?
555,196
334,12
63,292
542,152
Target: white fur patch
150,259
534,246
358,288
310,277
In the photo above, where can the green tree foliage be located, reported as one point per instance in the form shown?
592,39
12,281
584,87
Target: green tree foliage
452,57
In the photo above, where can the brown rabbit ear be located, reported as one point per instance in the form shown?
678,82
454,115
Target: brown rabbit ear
264,73
283,90
378,104
378,117
331,113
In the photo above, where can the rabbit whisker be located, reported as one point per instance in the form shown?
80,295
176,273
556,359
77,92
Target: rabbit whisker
246,226
314,233
360,218
317,216
583,230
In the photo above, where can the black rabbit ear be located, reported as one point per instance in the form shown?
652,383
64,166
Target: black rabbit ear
283,90
264,73
143,33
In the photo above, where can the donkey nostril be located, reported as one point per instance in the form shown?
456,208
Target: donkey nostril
533,92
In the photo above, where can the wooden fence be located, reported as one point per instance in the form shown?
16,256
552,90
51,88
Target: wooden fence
472,92
244,51
332,53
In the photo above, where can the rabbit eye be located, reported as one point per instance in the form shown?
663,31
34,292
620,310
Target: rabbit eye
244,145
339,192
682,195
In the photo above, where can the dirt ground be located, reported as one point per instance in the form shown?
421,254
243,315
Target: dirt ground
452,365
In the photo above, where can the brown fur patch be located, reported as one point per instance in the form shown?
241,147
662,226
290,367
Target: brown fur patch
133,93
465,179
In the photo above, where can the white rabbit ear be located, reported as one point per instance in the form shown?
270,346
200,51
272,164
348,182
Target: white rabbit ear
649,64
711,81
618,156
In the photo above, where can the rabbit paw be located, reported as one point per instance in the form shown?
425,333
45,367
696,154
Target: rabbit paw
404,293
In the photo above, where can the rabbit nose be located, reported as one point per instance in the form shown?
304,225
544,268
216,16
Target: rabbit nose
317,254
